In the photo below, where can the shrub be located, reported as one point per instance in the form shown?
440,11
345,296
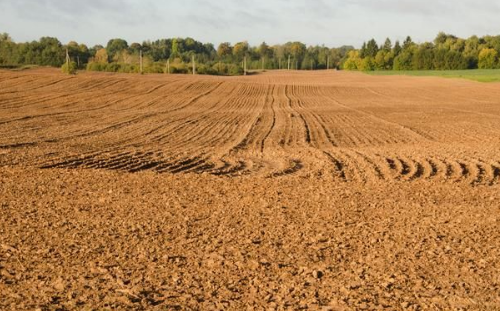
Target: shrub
113,67
179,67
206,70
128,68
176,67
367,64
92,66
71,69
155,68
234,70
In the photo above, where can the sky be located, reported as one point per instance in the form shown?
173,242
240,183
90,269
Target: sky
330,22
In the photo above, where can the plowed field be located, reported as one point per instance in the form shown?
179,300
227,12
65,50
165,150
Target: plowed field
310,190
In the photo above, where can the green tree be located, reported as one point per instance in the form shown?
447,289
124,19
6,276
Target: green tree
79,53
265,51
362,52
389,60
322,55
458,45
492,42
8,50
298,51
208,52
367,64
156,50
115,46
471,51
423,58
51,52
408,43
4,37
387,47
397,48
403,61
440,38
371,48
380,60
175,48
135,47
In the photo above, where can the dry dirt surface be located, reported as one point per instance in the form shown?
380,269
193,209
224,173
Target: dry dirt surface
276,191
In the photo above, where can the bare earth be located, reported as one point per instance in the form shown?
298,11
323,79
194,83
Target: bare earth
286,191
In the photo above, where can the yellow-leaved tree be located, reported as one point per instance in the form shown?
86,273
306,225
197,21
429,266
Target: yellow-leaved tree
488,59
101,56
353,61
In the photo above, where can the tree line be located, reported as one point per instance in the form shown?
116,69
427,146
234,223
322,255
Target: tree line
446,52
174,55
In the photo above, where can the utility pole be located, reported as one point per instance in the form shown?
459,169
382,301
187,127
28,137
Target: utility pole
140,61
67,59
78,59
194,66
245,65
289,62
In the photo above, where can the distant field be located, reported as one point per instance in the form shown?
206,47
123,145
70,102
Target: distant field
481,75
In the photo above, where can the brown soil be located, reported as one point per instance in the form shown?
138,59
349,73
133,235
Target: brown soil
312,190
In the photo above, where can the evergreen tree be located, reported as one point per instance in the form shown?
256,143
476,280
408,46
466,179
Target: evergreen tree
397,49
362,52
387,47
371,48
408,43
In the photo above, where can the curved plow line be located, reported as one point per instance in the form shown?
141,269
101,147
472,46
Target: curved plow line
293,167
376,169
353,168
484,172
338,166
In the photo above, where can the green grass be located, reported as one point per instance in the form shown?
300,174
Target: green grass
481,75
